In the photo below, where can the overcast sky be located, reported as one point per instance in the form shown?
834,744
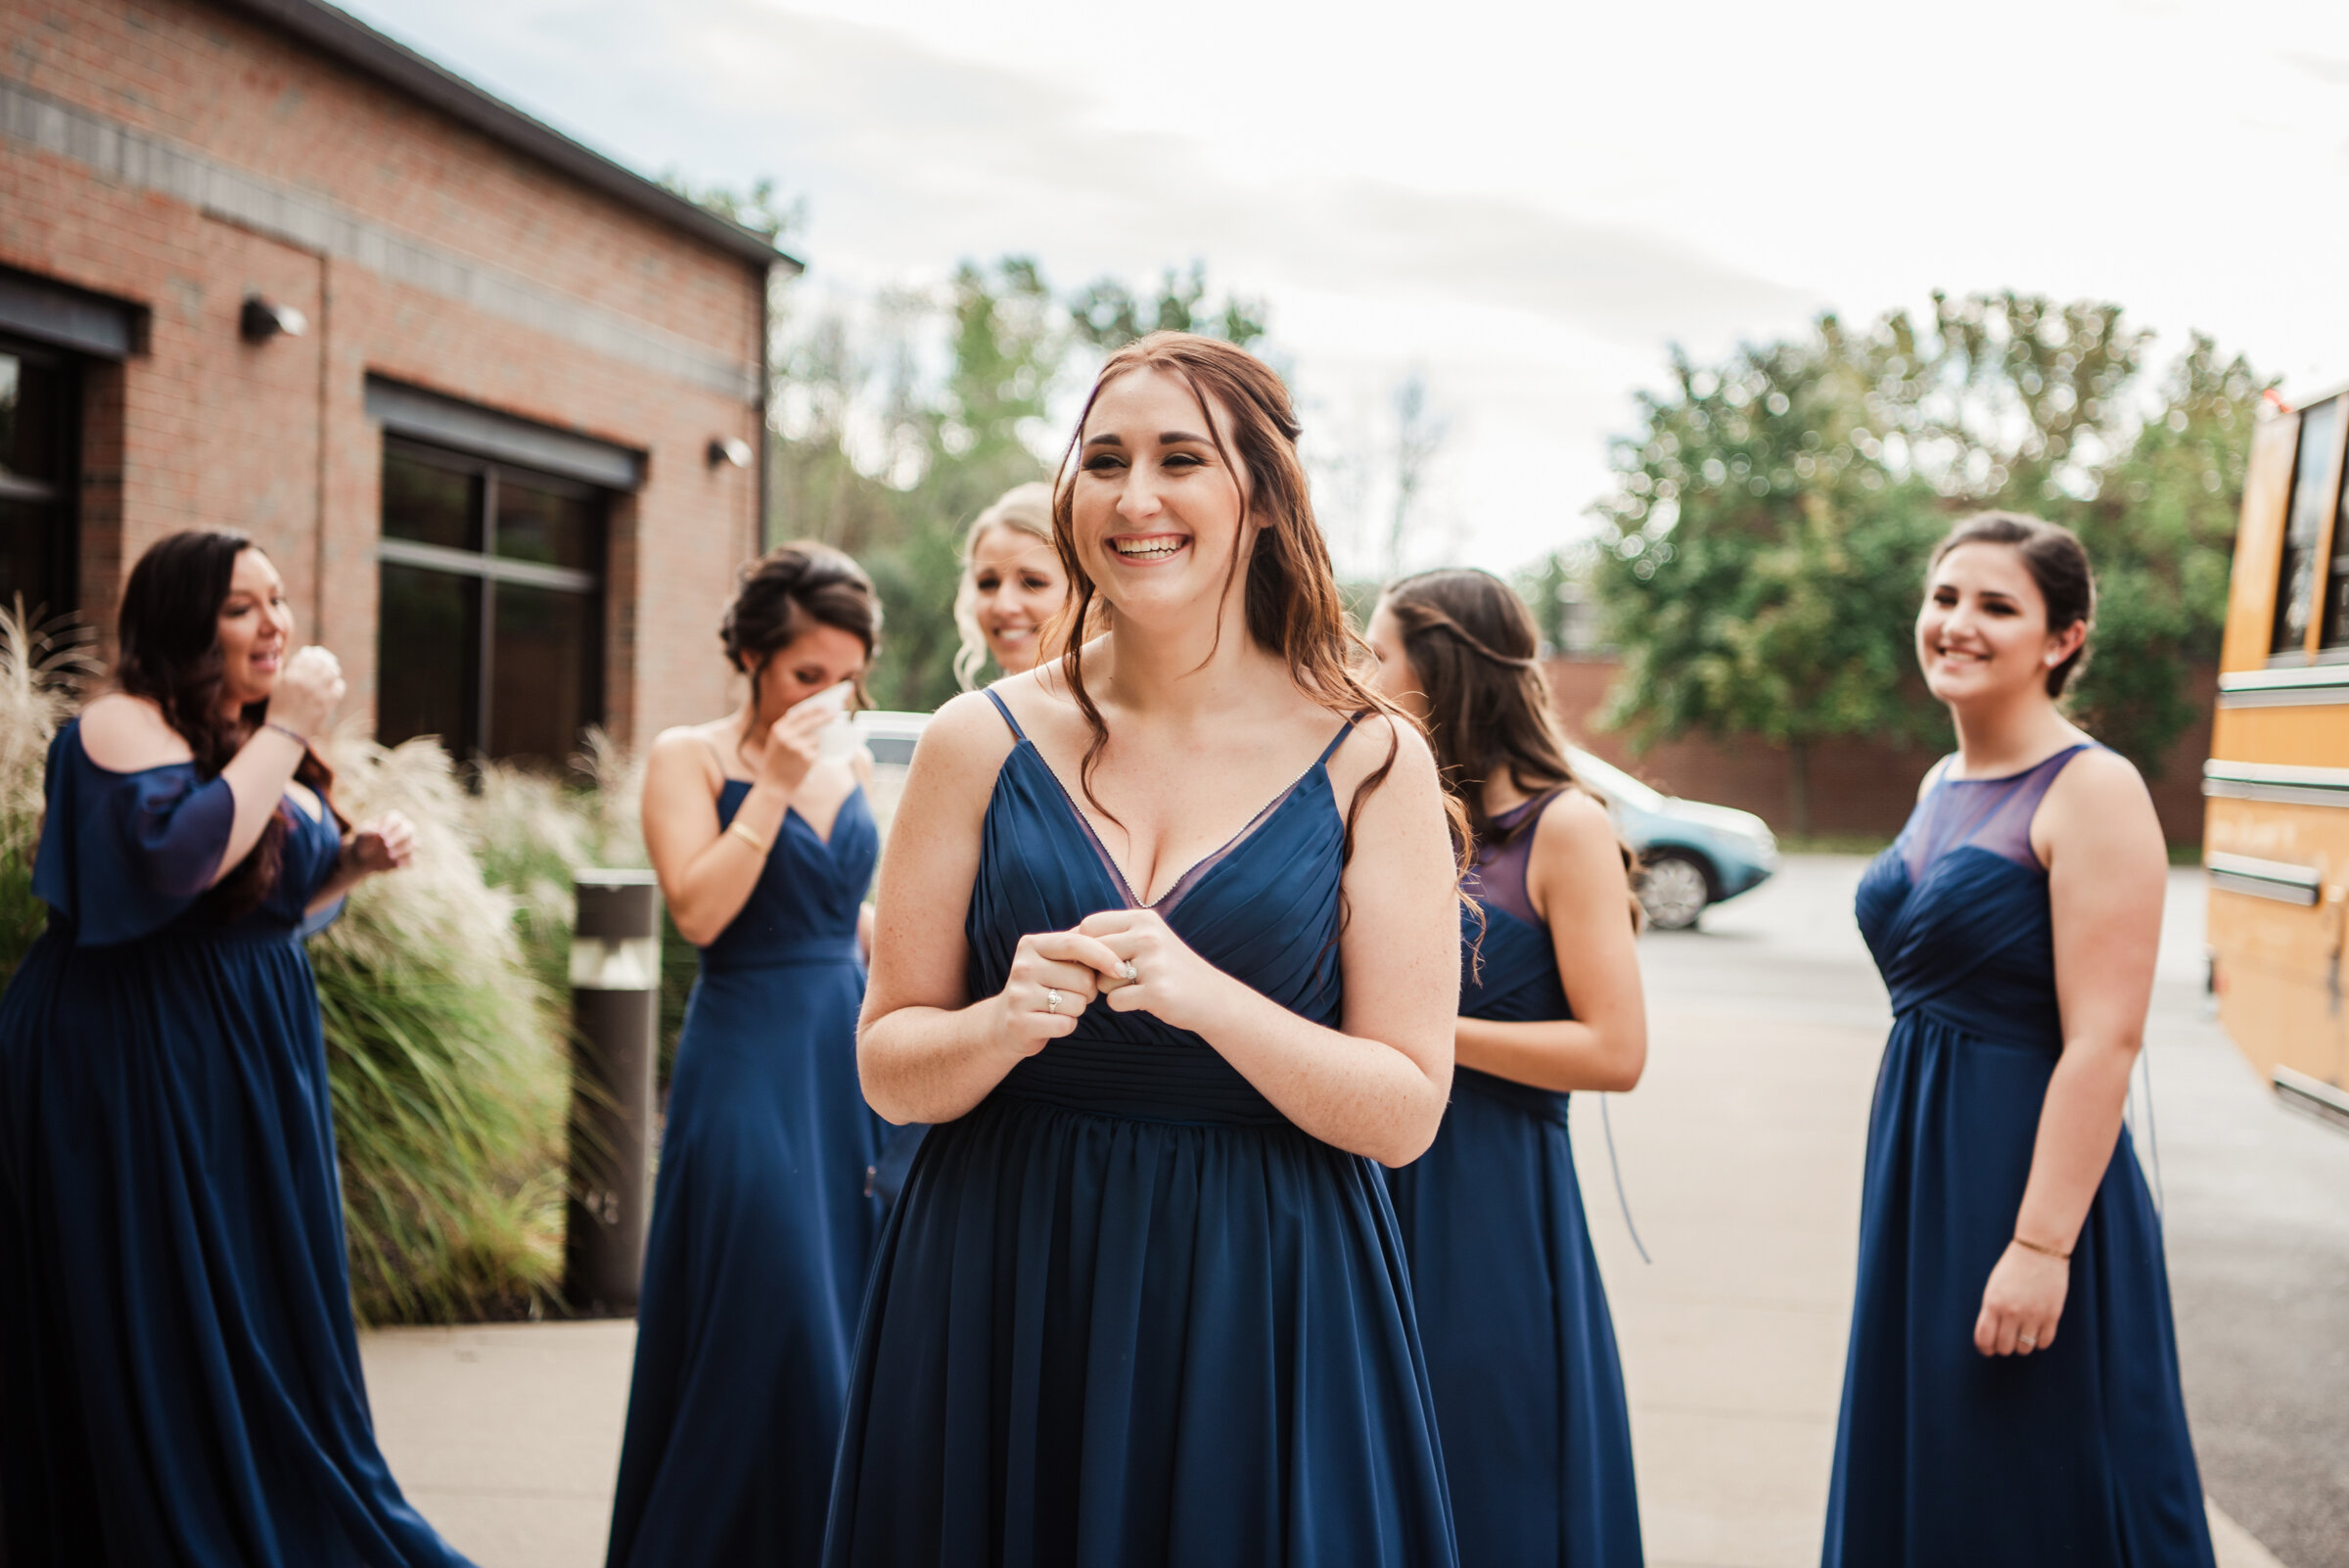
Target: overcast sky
1527,203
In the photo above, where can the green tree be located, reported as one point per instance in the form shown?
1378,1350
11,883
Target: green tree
1752,559
1109,315
1760,556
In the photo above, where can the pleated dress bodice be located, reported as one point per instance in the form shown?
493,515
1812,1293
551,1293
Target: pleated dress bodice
2078,1454
808,892
1126,1312
1260,909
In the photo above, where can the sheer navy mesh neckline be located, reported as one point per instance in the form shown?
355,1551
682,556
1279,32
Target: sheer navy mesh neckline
1200,869
1992,815
1497,873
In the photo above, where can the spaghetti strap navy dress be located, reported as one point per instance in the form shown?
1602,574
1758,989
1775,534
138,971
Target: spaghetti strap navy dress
2075,1455
761,1232
1126,1313
178,1367
1520,1345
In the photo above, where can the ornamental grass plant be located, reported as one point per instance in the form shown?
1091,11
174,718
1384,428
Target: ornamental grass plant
446,1052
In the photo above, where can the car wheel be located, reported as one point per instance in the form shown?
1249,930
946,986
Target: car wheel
1674,890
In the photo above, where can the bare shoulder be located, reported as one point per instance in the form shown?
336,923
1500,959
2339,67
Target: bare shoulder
965,740
1575,827
2100,803
125,735
2099,779
1367,749
684,754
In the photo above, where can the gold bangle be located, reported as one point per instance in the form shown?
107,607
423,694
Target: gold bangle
742,830
2044,1252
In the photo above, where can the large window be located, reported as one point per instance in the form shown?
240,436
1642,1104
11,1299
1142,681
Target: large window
492,606
2304,527
38,403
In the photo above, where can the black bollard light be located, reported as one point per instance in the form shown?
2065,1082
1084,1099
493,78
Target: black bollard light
616,1013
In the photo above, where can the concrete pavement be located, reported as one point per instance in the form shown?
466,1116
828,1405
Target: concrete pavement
1742,1154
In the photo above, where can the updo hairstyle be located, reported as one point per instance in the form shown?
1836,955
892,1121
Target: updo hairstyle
2057,563
786,591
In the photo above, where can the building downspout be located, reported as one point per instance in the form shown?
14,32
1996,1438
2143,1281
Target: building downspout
326,316
764,524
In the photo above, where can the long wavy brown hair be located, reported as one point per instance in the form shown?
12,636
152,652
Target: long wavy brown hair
1292,607
1476,654
170,636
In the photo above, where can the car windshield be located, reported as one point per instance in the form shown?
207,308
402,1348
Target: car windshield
1613,782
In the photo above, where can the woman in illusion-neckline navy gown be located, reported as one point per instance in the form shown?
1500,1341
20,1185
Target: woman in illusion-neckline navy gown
1520,1343
2011,1394
1142,1301
178,1368
763,1230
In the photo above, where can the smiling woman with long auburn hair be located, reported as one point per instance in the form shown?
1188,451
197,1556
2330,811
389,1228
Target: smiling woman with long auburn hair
1166,948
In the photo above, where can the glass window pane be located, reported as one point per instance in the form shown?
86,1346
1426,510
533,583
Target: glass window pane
430,504
545,673
546,526
428,658
2296,579
31,414
29,540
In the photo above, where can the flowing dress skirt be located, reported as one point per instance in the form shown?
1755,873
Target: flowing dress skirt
181,1374
1520,1343
761,1236
1099,1339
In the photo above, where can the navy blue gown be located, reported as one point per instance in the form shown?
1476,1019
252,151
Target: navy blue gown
1520,1345
761,1232
178,1367
2077,1455
1126,1313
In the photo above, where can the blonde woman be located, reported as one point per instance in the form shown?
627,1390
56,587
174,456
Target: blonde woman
1012,584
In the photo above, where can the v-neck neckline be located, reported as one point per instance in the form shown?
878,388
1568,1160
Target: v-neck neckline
792,812
1198,869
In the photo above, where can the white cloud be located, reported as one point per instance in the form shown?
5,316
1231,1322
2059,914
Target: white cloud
1527,202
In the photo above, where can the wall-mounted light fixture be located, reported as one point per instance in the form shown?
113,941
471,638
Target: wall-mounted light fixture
259,320
732,450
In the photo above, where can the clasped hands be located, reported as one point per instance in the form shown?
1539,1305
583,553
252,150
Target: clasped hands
1126,959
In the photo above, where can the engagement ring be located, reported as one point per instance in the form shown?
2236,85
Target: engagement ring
1051,1000
1126,971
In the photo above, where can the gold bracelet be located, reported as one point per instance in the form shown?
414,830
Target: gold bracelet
742,830
2044,1252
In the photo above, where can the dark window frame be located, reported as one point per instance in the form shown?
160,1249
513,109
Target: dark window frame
61,593
489,570
2311,565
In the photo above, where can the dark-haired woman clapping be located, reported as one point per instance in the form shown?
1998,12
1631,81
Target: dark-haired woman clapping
761,1228
178,1372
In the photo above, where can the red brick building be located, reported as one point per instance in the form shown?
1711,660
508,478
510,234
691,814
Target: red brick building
493,403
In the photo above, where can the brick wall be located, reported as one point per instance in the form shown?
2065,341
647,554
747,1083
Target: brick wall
1857,787
204,429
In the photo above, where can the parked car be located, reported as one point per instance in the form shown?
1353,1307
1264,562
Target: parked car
1692,855
889,737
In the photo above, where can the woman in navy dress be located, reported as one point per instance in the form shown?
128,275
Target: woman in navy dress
762,1230
177,1363
2011,1393
1168,953
1520,1345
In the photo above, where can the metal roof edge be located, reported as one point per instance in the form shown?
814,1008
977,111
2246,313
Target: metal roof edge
347,38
